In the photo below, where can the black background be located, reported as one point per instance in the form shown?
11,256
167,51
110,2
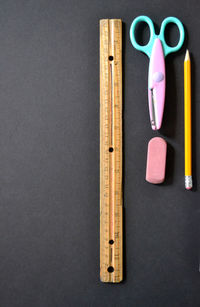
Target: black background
49,160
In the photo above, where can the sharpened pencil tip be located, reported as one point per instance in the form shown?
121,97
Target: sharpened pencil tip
187,55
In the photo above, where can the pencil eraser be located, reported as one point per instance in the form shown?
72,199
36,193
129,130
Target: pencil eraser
156,160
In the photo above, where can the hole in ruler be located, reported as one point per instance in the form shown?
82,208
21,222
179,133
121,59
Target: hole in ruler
110,58
111,149
110,269
111,242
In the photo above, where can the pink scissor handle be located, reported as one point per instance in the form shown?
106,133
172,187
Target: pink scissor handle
156,85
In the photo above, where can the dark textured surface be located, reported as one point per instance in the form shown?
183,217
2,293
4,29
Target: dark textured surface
49,160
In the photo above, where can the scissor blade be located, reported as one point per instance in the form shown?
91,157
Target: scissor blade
156,85
153,120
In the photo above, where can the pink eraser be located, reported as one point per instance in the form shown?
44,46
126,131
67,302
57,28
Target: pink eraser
156,160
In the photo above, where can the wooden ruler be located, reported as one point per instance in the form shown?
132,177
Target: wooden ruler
111,265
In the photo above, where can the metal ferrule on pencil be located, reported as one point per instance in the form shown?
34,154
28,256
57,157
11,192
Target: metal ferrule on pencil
188,182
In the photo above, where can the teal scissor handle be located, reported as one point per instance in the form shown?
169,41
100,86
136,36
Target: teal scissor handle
148,47
168,49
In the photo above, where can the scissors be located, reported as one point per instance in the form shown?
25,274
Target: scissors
157,49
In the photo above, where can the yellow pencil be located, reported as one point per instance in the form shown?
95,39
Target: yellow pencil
187,116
